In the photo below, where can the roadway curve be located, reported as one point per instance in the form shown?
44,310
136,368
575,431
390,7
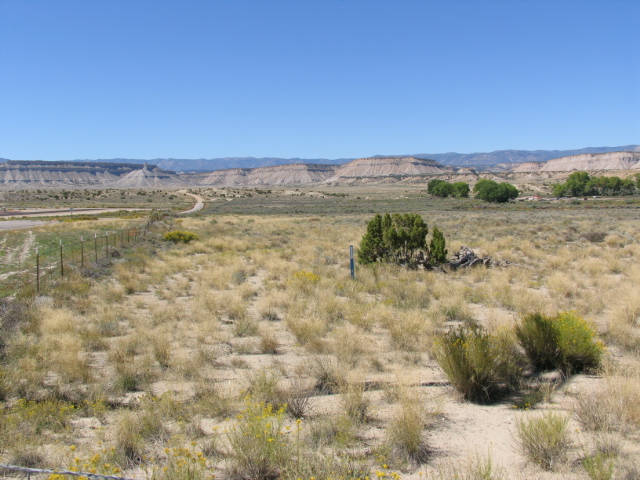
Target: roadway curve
198,206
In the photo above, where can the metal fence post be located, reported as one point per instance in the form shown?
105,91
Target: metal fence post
352,263
61,261
82,253
95,240
37,270
106,238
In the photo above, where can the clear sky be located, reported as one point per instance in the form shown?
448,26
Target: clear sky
88,79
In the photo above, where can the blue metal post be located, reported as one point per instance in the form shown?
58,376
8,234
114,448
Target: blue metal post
351,261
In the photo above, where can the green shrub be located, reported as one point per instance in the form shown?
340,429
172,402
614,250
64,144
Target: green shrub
544,440
179,236
539,339
566,342
482,367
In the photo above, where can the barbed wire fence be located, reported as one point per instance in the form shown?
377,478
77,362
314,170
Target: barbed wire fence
39,472
51,262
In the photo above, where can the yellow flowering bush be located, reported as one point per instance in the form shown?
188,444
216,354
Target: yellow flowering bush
259,449
183,464
304,281
581,350
99,463
565,341
38,416
179,236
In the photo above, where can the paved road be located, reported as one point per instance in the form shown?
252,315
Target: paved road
198,206
39,212
18,224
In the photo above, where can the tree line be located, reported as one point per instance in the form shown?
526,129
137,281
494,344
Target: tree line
485,189
580,184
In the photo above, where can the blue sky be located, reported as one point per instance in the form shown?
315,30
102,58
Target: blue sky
88,79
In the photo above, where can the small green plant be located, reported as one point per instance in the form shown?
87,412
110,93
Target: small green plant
481,366
477,467
179,236
297,398
566,342
544,440
327,373
263,387
354,402
599,466
405,440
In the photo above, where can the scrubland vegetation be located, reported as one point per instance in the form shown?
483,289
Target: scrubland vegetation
250,353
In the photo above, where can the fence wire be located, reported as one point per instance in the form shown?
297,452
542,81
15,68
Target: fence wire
53,261
36,471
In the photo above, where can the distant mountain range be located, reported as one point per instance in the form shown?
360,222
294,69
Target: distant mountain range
491,159
476,160
212,164
362,171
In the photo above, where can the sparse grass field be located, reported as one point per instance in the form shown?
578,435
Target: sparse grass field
93,198
250,353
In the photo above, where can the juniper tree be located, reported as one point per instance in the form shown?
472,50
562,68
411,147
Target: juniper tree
392,236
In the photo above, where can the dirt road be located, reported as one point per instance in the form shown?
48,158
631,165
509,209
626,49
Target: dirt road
198,206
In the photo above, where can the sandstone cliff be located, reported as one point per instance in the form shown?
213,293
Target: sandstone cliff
373,168
149,178
584,162
296,174
59,174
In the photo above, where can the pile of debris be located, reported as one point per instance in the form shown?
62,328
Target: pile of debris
468,258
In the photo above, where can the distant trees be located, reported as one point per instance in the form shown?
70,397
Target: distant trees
401,239
492,191
440,188
580,184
